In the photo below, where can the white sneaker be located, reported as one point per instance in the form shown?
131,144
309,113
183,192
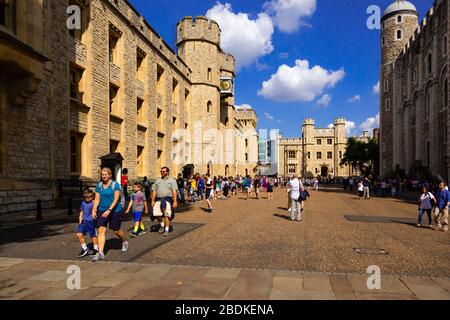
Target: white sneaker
289,209
125,246
99,256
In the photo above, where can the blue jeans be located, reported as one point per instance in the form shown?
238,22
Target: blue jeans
428,211
181,195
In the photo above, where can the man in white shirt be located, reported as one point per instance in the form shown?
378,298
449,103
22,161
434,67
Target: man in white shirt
295,186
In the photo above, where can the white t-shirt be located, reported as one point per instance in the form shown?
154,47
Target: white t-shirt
360,187
295,185
425,201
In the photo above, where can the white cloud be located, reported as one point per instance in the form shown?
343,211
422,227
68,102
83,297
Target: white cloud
299,83
324,101
243,107
376,88
354,99
349,127
370,124
247,39
288,15
269,116
330,126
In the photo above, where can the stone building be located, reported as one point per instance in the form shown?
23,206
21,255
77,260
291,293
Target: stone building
71,95
414,93
317,153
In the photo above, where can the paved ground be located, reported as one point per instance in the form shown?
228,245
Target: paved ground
220,252
47,279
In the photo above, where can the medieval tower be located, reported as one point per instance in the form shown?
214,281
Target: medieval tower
399,22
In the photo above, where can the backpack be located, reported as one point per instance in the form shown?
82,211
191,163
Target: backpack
122,193
303,195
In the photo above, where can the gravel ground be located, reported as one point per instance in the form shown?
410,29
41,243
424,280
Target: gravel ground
257,234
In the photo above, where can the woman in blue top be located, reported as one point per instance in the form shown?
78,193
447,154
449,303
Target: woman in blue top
108,210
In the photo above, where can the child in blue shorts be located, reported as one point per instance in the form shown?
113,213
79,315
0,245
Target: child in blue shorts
86,224
138,202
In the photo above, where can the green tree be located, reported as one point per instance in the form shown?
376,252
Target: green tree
361,155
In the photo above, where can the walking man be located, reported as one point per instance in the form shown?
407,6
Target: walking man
366,184
443,204
165,189
294,187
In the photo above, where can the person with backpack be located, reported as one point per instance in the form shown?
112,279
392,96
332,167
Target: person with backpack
426,202
108,207
295,187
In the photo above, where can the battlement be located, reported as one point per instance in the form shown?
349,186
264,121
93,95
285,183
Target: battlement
227,62
339,121
308,121
201,29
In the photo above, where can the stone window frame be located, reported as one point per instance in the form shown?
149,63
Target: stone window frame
79,137
383,41
209,107
113,53
84,8
329,155
292,168
319,142
175,91
140,110
292,154
388,105
399,19
428,103
9,15
140,67
319,155
429,64
445,45
78,72
114,105
3,126
386,86
140,160
397,38
329,142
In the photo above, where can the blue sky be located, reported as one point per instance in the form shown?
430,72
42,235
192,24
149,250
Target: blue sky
331,35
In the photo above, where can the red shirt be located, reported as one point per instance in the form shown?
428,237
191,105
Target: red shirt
124,180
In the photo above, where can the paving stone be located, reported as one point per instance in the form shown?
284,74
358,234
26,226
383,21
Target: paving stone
317,283
91,293
425,288
276,294
389,284
256,285
222,273
127,288
7,262
51,276
51,294
443,283
384,296
209,288
287,283
320,295
342,287
164,290
185,273
153,272
110,280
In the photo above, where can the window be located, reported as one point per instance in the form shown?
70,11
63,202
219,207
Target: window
329,155
386,86
140,110
209,107
160,80
75,76
140,59
317,171
292,168
340,154
7,14
209,74
319,142
140,161
309,155
399,34
246,157
384,41
429,64
292,154
388,105
175,95
445,46
113,40
445,104
319,155
428,106
399,19
246,142
113,99
78,33
329,142
75,153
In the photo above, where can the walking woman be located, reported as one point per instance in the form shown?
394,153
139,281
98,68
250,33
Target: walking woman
426,202
270,185
108,210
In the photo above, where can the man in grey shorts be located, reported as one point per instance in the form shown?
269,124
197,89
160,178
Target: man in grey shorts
165,190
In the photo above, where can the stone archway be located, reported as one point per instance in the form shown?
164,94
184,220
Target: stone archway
324,171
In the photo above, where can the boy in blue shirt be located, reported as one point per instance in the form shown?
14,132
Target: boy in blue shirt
443,201
86,224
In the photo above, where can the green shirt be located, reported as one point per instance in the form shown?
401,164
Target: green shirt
164,188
